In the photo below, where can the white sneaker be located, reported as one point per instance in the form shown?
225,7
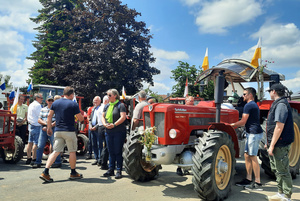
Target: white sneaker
276,197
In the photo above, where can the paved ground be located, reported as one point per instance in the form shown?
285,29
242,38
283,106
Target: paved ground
21,182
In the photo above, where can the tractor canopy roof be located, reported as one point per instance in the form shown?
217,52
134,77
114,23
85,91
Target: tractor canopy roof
237,70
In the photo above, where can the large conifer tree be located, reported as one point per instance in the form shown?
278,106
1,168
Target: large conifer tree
101,46
52,32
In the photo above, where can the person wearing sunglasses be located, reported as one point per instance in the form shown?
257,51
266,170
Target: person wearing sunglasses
254,134
113,119
280,135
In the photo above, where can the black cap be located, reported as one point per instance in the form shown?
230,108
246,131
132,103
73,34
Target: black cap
277,87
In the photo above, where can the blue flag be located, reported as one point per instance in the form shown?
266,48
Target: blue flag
12,94
30,87
2,84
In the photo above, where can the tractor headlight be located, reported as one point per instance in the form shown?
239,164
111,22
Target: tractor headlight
173,133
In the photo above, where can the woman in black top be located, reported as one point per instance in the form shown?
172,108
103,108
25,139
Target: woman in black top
113,118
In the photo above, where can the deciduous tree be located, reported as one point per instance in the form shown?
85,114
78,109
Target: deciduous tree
183,71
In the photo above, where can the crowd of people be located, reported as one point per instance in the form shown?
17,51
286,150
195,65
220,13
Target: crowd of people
107,133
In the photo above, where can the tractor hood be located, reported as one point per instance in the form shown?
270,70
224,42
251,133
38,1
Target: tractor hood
237,70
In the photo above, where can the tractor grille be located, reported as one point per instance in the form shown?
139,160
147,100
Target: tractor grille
147,119
159,118
159,123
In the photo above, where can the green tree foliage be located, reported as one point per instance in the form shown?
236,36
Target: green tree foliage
153,94
6,80
208,90
183,71
52,33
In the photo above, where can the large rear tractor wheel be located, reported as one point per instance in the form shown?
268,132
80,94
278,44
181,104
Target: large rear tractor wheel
214,166
82,144
294,154
134,160
13,155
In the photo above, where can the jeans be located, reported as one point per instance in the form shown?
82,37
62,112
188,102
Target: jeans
97,139
43,138
34,133
90,146
115,143
252,143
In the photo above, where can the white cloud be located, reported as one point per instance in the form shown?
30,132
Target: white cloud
19,77
175,55
12,49
216,17
15,26
190,2
16,14
280,43
165,62
160,88
294,83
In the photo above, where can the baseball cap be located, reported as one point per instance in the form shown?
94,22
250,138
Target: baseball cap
50,98
277,87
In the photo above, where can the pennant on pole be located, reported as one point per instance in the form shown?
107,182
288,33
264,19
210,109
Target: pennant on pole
74,99
12,94
15,104
123,93
257,54
205,64
186,88
30,86
2,84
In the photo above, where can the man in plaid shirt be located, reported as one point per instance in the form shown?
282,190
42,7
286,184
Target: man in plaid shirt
43,138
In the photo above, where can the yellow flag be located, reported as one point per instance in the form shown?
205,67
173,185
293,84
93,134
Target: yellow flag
123,93
205,64
257,55
15,104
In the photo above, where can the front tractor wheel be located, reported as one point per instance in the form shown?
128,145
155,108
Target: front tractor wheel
214,166
134,161
13,155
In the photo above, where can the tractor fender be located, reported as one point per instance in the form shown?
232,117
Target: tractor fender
230,131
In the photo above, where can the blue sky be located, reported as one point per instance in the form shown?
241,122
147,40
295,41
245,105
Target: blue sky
182,30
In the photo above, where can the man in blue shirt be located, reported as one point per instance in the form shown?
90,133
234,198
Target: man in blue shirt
65,109
254,134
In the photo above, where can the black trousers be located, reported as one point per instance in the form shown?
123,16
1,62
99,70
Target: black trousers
21,131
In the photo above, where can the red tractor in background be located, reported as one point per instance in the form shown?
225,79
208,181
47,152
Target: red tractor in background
188,138
181,100
11,146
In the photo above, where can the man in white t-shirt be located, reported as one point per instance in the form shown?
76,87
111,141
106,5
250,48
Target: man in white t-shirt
34,127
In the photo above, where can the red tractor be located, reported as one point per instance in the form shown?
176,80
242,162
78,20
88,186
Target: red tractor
11,146
188,138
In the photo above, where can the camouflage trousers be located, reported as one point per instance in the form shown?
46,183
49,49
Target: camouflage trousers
280,166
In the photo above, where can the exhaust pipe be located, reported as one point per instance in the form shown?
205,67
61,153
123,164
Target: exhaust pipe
219,93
